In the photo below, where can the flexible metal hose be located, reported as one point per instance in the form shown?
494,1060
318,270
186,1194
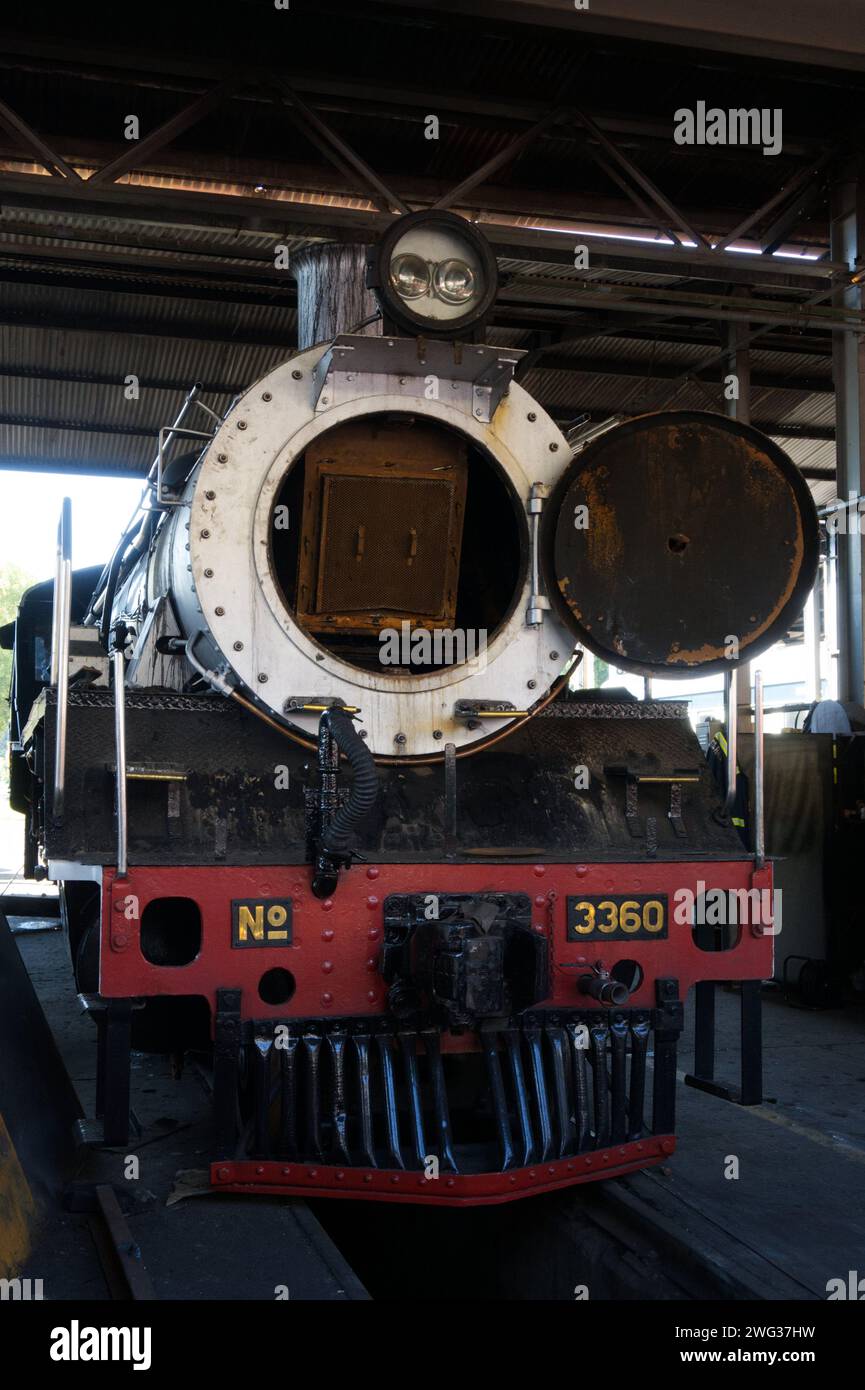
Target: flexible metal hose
338,835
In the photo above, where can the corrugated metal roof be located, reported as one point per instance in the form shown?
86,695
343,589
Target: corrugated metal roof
74,330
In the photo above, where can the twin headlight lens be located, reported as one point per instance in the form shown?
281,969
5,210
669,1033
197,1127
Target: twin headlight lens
452,280
434,273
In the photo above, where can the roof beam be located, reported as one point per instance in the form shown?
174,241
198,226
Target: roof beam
498,161
270,213
338,150
168,71
182,330
777,429
785,194
82,426
641,368
672,302
276,296
140,150
48,158
642,180
67,375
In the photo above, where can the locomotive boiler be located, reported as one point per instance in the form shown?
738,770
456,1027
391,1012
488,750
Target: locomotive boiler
316,767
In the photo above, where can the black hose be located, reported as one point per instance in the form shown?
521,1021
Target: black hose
338,835
118,569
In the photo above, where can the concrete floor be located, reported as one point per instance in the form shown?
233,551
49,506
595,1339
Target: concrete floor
797,1202
800,1196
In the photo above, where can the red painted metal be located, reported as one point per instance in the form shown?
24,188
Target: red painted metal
449,1189
334,955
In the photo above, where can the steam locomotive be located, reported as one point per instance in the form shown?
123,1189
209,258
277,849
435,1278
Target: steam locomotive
315,764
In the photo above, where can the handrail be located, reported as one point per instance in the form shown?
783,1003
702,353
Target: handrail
731,719
60,650
118,667
759,805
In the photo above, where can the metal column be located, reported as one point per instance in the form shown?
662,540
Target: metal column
738,362
848,370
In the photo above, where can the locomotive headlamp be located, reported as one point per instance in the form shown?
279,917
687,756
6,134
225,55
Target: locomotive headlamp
434,273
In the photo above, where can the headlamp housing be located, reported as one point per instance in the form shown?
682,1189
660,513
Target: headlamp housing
433,273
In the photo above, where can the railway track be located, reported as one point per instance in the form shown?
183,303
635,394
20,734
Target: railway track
625,1239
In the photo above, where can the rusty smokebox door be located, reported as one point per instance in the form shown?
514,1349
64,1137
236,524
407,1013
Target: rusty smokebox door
673,534
384,504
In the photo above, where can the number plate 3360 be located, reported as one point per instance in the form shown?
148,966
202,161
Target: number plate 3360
617,915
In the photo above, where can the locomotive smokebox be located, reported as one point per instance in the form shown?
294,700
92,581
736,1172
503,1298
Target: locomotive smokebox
389,521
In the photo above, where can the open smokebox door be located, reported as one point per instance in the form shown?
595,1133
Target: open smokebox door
405,526
680,542
382,525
